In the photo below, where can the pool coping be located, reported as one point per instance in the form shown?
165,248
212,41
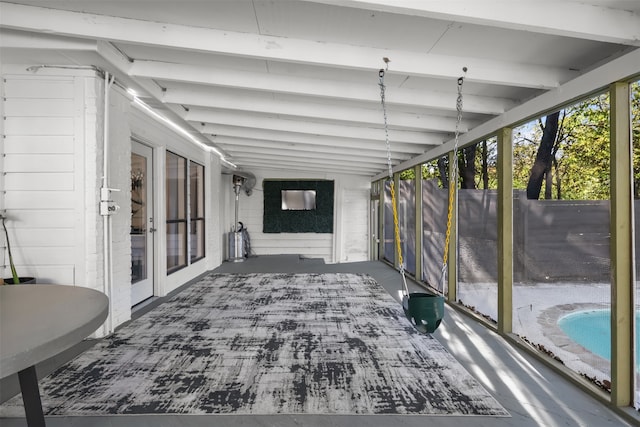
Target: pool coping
548,320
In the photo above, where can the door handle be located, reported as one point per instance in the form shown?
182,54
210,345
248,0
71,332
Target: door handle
152,230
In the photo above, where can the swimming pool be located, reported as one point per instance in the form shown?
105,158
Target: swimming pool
592,330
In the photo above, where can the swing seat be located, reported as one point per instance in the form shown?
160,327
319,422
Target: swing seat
424,311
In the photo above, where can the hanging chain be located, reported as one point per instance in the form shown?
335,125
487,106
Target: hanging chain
392,182
453,181
386,127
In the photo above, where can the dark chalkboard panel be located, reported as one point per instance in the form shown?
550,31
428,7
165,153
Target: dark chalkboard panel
319,220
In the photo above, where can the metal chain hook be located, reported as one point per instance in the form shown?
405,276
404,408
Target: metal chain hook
381,74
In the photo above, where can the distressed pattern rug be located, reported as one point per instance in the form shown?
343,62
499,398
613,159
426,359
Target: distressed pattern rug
267,344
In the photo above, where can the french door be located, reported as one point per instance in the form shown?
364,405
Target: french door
142,226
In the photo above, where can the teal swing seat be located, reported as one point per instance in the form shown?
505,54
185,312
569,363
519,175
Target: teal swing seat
424,311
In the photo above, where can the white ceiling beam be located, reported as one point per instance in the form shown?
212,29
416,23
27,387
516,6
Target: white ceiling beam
260,164
335,143
244,102
198,39
30,40
308,127
560,18
303,86
240,151
233,143
320,158
284,161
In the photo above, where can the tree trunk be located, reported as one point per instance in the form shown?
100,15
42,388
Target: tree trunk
442,169
468,167
485,166
542,165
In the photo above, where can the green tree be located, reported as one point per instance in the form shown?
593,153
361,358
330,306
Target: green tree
577,162
541,169
635,135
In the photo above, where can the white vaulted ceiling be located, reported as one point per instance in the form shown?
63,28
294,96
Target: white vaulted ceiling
293,85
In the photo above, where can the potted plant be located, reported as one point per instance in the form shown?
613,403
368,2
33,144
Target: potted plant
14,279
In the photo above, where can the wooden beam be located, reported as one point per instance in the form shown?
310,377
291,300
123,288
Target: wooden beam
622,265
285,160
292,138
231,143
294,155
206,40
244,101
265,164
310,87
505,231
308,127
568,19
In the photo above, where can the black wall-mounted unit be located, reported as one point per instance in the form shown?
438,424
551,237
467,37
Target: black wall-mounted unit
278,220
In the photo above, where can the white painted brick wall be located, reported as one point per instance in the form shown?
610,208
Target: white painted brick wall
120,178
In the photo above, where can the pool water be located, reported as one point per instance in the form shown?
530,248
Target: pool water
592,330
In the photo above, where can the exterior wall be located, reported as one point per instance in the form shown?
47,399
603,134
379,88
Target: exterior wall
119,166
348,242
53,169
45,129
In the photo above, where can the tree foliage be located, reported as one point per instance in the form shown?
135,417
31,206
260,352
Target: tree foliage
571,161
578,164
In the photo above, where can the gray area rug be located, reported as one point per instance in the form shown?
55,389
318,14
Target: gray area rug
267,344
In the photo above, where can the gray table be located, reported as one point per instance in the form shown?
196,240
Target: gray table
38,322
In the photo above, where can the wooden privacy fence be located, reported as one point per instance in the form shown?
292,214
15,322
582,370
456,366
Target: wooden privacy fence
554,240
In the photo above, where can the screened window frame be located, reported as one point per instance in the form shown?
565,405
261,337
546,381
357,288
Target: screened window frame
184,204
198,217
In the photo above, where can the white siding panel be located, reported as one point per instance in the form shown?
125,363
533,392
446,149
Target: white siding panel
38,163
59,218
59,274
52,255
38,126
38,181
18,144
39,199
61,88
21,107
43,237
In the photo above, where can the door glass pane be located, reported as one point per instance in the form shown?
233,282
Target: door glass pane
176,245
176,174
196,200
196,239
138,218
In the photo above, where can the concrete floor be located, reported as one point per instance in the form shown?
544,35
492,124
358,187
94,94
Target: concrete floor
532,392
